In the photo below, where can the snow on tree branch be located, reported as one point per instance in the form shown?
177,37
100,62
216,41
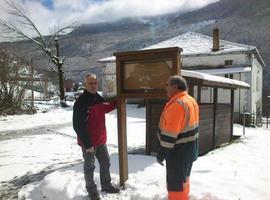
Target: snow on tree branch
22,27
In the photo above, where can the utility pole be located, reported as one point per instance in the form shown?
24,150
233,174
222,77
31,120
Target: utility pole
32,85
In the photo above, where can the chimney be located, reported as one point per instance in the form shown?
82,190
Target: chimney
216,45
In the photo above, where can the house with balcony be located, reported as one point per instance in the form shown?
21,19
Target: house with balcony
213,56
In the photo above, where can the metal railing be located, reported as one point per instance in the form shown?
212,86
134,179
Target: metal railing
256,120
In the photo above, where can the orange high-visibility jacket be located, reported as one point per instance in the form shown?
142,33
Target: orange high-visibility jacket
179,123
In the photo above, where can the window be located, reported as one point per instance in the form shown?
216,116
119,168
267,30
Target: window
258,85
228,76
228,62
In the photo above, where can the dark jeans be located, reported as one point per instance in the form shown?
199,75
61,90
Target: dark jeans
178,171
103,158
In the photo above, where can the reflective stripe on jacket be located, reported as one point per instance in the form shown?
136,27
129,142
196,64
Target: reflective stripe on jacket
179,124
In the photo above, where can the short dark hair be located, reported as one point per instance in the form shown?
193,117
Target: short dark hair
179,81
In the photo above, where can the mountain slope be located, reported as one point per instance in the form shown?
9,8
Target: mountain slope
241,21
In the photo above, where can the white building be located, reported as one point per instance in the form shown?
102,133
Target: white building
222,58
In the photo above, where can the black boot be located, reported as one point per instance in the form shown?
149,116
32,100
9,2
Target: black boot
94,196
110,190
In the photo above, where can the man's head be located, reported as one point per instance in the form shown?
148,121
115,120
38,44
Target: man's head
90,83
175,84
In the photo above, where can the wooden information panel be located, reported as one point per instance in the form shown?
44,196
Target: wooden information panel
141,74
146,76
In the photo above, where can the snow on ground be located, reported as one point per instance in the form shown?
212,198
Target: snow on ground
33,153
135,128
238,171
55,115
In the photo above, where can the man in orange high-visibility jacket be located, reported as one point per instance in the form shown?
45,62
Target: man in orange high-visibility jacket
178,137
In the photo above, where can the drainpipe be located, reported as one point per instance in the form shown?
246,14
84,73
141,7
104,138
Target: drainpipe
250,92
216,42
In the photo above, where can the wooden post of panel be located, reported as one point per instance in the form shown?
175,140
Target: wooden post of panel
122,130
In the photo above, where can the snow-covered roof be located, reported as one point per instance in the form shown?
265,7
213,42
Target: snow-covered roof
207,78
195,43
107,59
198,44
227,70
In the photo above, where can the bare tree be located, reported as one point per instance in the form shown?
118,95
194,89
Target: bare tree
12,88
24,28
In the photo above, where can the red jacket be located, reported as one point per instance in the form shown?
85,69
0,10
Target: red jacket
96,128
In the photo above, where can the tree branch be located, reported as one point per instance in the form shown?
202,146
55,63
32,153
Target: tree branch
23,22
24,19
13,28
57,33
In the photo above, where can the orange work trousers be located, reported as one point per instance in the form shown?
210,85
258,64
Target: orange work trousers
183,195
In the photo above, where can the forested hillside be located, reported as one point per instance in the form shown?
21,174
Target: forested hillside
241,21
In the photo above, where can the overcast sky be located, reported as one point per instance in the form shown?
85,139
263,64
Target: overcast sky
48,13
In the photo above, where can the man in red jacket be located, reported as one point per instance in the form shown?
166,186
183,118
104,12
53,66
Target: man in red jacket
89,124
